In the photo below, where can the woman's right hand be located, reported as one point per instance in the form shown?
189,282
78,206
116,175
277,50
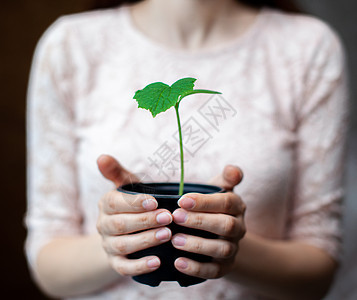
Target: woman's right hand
122,215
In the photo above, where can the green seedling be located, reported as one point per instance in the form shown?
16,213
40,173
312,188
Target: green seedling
158,97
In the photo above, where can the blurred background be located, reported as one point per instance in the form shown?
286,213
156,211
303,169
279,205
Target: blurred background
21,24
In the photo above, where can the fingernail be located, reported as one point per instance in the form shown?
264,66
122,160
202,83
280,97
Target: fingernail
179,240
187,203
181,264
163,234
164,218
149,204
180,216
153,263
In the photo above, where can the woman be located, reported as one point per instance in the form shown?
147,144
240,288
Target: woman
281,75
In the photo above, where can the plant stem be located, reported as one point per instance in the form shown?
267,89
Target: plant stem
181,149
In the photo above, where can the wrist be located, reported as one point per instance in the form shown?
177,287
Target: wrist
72,266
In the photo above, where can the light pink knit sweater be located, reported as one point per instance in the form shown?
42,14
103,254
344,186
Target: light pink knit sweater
281,118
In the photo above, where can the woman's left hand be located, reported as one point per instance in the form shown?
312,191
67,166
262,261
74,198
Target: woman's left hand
220,213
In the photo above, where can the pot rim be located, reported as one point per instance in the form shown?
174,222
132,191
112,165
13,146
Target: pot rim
215,188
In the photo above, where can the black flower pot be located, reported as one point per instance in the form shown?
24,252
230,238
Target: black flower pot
166,195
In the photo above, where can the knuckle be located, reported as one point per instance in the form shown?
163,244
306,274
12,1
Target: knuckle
111,201
227,250
106,247
119,225
120,266
146,241
229,226
203,203
120,247
115,265
244,207
197,247
122,271
99,226
100,204
228,202
217,271
198,220
243,229
112,262
145,220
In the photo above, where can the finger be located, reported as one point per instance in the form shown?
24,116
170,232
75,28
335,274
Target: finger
127,223
216,248
190,267
115,202
133,267
221,224
126,244
230,177
227,203
111,169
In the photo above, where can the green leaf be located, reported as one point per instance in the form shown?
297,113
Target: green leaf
158,97
183,85
155,97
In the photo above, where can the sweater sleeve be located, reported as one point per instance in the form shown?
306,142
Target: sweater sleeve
52,209
316,214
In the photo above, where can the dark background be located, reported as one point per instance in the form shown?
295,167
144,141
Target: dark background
22,23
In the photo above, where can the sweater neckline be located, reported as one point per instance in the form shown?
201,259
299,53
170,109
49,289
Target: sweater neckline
233,45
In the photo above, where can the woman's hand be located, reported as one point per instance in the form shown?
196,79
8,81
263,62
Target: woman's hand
222,214
122,215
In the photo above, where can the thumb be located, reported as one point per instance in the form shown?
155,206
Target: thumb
111,169
229,178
